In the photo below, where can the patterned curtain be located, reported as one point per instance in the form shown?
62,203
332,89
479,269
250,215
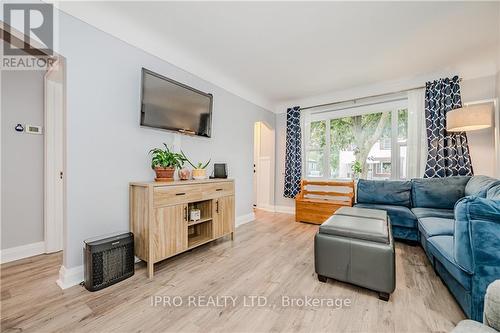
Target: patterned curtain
293,158
448,153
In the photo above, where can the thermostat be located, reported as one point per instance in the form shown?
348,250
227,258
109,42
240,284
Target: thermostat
31,129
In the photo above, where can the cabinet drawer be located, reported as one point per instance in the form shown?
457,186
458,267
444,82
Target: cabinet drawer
171,195
211,191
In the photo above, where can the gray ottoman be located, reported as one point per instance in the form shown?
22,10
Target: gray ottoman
355,245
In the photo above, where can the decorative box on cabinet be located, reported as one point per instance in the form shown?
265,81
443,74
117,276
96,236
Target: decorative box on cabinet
159,216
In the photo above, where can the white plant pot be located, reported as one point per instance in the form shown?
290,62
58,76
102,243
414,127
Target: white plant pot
199,174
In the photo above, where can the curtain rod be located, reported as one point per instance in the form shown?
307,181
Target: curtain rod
361,98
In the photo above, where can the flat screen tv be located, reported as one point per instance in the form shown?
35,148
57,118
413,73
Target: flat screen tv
173,106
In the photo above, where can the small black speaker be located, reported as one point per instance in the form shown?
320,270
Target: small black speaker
108,260
220,170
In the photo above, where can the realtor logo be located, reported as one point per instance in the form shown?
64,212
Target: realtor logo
36,22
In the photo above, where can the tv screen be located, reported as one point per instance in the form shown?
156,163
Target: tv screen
170,105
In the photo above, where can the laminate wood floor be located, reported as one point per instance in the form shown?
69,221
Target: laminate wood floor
271,257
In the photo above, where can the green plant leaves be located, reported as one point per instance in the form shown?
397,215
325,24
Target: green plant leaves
199,165
164,158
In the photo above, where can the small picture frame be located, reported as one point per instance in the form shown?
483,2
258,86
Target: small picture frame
194,214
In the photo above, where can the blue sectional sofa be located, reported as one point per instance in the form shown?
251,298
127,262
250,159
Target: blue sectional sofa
457,222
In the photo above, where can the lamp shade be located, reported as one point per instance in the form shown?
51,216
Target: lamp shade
469,118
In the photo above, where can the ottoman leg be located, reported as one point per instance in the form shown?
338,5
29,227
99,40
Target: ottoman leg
322,278
384,296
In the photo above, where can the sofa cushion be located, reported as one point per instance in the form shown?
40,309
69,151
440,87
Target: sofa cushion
436,226
387,192
403,233
479,185
399,215
433,212
494,193
438,192
441,247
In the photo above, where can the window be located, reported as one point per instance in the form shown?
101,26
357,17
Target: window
385,143
335,140
315,156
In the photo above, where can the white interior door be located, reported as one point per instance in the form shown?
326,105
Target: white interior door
54,159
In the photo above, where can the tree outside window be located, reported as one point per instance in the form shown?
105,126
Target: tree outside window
360,138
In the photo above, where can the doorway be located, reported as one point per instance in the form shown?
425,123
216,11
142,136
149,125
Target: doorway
263,166
33,154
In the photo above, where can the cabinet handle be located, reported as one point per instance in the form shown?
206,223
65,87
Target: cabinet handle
180,193
219,189
217,206
185,213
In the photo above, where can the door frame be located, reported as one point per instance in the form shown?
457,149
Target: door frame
55,159
259,161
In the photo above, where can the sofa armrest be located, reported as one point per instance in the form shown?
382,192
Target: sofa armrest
477,232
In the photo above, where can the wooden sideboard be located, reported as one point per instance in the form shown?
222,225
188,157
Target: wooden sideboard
159,216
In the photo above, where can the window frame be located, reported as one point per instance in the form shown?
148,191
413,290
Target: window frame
327,115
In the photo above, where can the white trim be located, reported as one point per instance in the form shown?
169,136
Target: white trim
69,277
240,220
54,159
395,147
381,105
266,208
21,252
264,165
277,209
285,209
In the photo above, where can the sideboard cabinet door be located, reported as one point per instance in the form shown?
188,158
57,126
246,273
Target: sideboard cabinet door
169,232
223,216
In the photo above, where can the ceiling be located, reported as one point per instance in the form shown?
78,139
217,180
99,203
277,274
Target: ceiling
270,52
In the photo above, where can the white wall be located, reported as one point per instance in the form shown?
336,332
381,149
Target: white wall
481,142
106,148
472,89
22,159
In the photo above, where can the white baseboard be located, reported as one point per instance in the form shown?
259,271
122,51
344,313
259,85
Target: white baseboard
266,208
69,277
284,209
240,220
20,252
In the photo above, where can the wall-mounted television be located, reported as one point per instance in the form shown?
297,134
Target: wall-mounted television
173,106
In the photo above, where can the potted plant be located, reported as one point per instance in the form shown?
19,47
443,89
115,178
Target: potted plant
164,162
199,170
357,170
